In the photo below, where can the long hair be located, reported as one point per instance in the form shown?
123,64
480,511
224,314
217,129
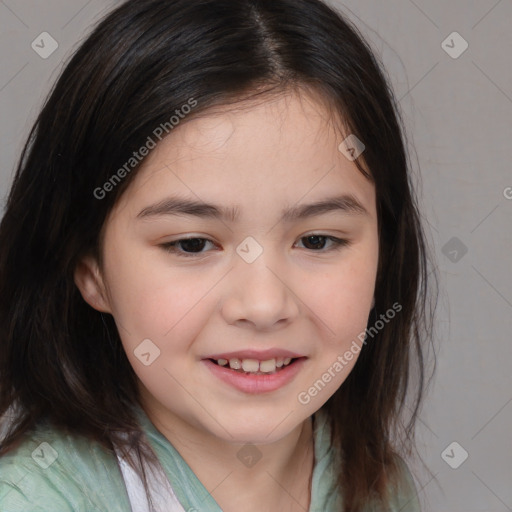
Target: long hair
62,360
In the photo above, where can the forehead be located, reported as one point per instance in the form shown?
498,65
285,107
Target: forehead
282,150
295,122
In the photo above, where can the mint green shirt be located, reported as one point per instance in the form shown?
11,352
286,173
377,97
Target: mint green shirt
51,471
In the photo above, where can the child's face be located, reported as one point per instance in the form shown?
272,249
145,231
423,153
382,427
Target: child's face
300,294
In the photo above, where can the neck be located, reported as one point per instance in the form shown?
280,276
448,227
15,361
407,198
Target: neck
279,480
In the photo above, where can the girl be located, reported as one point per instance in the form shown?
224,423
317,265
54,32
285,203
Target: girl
212,271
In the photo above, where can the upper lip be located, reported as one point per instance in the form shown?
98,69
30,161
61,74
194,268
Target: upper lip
260,355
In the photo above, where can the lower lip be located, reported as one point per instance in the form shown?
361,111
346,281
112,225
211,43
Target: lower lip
252,383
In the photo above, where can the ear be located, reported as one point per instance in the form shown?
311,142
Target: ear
90,282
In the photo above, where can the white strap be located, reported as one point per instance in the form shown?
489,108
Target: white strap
162,494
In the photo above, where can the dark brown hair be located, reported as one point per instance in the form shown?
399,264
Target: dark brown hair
59,358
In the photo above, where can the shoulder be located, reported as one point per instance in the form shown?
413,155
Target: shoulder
404,495
51,470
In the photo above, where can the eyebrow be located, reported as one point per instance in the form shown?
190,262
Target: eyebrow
346,204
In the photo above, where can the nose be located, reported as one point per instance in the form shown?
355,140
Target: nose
259,294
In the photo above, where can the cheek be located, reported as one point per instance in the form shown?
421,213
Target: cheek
156,302
341,298
159,315
341,302
341,316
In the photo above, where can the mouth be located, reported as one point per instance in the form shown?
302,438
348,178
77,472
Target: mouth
254,376
255,366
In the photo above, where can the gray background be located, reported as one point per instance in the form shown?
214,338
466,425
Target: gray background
458,112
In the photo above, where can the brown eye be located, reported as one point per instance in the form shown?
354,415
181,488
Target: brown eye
188,246
317,242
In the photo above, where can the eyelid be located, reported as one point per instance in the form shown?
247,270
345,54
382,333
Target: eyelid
337,243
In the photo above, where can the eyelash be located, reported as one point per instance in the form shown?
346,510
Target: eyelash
170,247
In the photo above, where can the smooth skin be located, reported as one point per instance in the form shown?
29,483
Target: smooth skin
302,294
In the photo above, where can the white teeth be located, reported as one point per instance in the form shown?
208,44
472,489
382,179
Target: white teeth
268,366
255,366
250,365
235,364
